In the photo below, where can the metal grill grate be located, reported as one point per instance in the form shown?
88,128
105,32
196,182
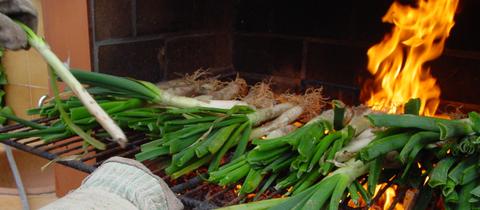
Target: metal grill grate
192,190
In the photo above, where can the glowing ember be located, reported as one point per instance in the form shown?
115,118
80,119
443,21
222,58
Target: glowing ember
237,189
418,36
297,124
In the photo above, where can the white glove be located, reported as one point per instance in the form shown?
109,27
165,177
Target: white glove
122,184
11,35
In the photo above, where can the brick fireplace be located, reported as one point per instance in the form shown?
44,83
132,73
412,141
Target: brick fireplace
294,42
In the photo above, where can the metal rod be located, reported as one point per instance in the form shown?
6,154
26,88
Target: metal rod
18,179
30,141
18,126
73,163
62,143
200,205
195,181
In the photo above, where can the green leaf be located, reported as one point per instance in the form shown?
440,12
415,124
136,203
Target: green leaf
2,94
439,174
5,113
413,106
475,119
374,174
338,114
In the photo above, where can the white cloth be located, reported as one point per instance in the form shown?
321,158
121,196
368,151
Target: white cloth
91,199
120,183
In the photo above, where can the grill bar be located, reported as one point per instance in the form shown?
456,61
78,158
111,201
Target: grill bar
81,166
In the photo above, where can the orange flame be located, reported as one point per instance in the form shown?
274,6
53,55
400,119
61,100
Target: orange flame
397,62
385,200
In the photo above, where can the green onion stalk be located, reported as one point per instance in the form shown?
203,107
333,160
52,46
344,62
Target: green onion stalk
205,136
104,84
60,70
133,113
280,122
281,131
409,134
446,128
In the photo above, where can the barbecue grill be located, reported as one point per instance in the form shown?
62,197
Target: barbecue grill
192,190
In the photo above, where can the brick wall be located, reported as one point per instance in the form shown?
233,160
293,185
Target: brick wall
155,39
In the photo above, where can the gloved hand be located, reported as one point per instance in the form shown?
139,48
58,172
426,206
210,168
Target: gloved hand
119,184
11,35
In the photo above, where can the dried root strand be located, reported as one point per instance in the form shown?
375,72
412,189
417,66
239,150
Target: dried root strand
455,112
312,101
232,90
196,75
260,95
243,86
203,82
199,82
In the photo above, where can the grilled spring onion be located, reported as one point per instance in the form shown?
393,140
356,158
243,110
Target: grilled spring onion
59,68
207,137
113,85
280,122
446,128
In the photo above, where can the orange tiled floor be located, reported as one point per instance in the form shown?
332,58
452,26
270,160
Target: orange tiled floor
12,202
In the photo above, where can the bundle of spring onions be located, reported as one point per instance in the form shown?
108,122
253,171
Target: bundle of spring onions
207,135
104,84
438,157
179,124
296,160
448,149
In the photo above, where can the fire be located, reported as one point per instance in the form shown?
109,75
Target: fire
397,62
389,196
385,201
